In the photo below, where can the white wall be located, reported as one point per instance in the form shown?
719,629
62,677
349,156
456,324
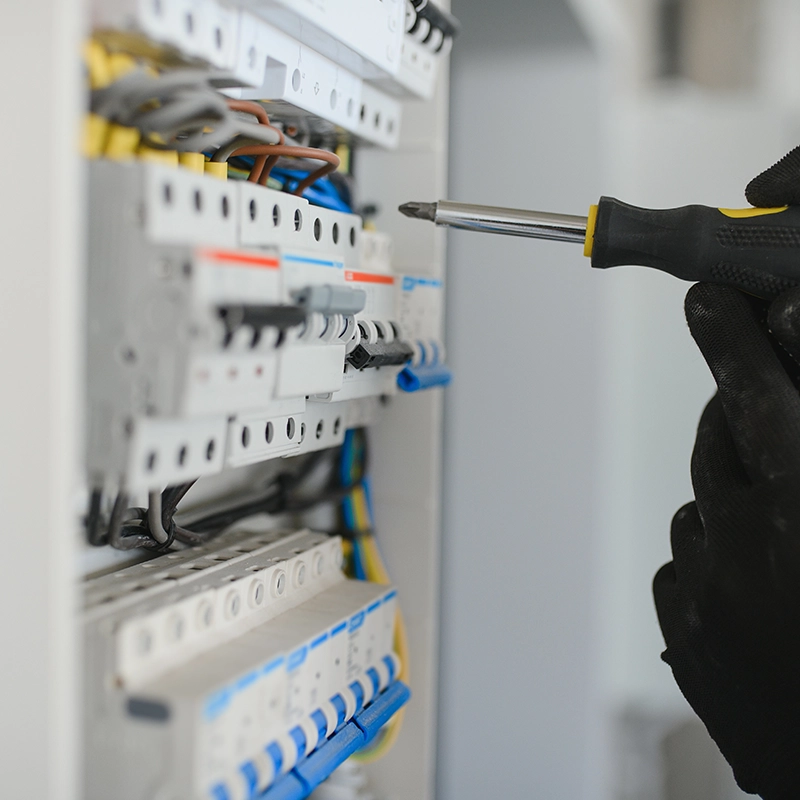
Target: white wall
521,417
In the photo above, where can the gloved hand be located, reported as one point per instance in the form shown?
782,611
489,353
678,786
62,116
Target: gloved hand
729,602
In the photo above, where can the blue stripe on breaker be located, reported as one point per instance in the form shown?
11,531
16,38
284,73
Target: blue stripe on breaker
320,262
248,769
272,666
247,680
373,607
390,596
372,674
217,703
296,658
340,628
299,738
276,754
409,283
220,792
356,621
341,709
319,640
390,666
355,688
321,721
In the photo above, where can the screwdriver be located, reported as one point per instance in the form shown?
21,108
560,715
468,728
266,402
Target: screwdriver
756,250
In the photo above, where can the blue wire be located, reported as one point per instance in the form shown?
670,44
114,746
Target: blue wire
358,564
348,453
368,496
323,193
349,513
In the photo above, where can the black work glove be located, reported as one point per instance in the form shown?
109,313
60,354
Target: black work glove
729,602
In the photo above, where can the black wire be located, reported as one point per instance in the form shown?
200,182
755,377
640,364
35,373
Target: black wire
170,498
213,523
128,528
125,537
94,535
277,499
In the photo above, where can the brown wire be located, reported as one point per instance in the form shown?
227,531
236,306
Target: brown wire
258,111
331,160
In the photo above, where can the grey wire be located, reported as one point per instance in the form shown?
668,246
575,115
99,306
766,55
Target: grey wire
166,84
182,108
183,122
110,101
225,152
179,110
256,134
154,521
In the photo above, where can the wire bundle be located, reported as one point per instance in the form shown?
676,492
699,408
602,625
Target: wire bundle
176,110
366,563
156,527
135,109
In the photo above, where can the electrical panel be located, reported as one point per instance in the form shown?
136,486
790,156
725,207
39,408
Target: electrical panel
244,327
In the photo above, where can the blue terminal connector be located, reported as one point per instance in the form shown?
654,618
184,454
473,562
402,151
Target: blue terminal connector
414,379
312,770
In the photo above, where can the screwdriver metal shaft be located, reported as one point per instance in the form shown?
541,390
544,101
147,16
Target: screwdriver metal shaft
507,221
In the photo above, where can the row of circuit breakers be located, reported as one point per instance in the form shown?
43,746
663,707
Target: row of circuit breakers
231,324
228,324
246,668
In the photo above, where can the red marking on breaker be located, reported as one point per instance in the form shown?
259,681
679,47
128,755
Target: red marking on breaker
237,257
368,277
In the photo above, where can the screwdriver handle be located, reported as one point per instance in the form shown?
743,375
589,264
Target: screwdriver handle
756,250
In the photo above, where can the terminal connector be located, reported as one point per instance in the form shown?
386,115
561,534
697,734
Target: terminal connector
414,379
257,317
380,354
327,299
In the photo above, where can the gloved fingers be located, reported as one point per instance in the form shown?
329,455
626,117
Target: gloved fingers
665,595
777,186
717,472
760,402
687,540
783,319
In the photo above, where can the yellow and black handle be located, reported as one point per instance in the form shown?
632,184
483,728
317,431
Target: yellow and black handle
756,250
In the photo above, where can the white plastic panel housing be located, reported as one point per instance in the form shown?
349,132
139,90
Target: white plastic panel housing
183,207
259,437
197,29
362,35
169,451
299,75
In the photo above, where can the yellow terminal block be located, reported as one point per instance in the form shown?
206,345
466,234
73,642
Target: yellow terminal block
120,64
97,63
167,157
122,142
218,169
95,131
343,151
193,161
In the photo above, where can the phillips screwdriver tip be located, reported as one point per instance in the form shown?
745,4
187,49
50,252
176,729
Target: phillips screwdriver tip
419,211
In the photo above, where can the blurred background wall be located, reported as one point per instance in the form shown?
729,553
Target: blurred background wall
570,425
